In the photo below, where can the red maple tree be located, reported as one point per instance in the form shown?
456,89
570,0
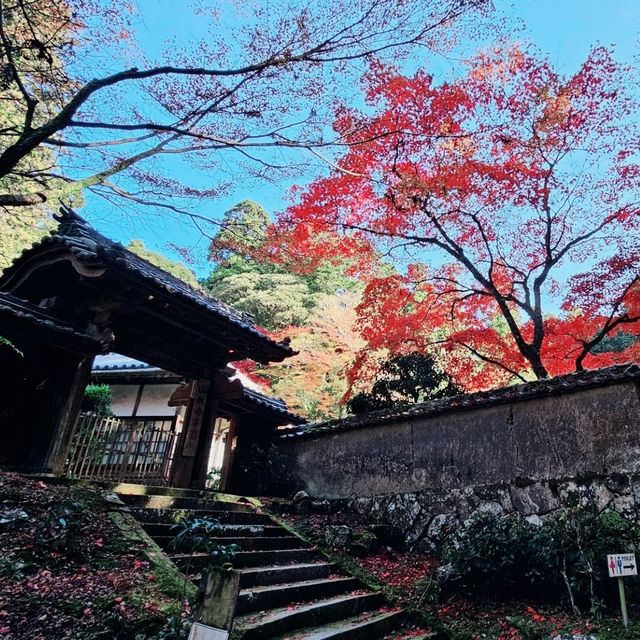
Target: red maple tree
509,201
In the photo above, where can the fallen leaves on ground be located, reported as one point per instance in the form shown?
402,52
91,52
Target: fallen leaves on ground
67,572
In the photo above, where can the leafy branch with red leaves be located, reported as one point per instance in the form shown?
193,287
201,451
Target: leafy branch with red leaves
509,201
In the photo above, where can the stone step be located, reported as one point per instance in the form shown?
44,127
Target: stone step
363,627
258,576
286,588
294,555
270,596
130,489
171,516
246,543
179,502
242,559
224,531
274,622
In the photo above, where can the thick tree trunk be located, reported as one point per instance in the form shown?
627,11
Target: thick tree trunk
533,356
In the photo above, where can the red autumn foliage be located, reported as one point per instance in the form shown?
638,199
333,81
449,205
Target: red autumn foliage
508,197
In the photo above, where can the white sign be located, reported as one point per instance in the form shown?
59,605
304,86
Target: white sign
622,564
201,631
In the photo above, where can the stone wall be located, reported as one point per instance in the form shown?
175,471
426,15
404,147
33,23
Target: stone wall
427,474
590,432
426,517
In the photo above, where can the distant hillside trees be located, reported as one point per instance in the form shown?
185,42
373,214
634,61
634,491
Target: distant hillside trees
316,309
248,277
173,267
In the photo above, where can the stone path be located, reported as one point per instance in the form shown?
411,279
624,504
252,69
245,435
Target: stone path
288,590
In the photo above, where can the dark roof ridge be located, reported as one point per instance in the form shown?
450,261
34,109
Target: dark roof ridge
14,307
73,225
95,250
524,391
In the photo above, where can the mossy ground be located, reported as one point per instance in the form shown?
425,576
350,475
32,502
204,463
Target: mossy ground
72,566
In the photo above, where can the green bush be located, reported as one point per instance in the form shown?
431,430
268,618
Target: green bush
561,560
489,556
194,535
98,399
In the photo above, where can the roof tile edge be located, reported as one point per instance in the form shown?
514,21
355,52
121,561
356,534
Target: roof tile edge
515,393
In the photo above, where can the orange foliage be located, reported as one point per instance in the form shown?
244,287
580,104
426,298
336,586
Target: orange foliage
313,382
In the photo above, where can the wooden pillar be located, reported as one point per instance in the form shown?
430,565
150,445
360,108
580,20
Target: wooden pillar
190,466
66,427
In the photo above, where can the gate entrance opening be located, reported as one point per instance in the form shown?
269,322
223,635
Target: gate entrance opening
77,294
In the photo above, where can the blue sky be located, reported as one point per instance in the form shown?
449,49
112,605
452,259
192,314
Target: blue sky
564,30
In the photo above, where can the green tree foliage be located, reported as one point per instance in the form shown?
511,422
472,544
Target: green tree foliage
405,379
98,399
621,341
561,560
276,300
19,231
242,233
170,266
34,189
21,227
247,277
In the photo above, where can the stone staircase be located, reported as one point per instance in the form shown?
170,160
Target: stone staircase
289,591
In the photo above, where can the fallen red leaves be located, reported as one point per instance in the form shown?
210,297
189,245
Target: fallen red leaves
408,574
398,569
77,579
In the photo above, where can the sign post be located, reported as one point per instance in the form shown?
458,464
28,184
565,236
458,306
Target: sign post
620,565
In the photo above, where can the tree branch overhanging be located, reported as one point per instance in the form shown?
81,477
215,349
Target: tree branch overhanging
351,41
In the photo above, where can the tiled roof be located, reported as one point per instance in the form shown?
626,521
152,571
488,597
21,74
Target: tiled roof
515,393
275,405
118,362
115,363
96,251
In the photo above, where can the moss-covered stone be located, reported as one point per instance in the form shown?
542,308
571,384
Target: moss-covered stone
169,580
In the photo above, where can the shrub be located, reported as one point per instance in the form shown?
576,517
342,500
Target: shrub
489,556
564,559
98,399
198,535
